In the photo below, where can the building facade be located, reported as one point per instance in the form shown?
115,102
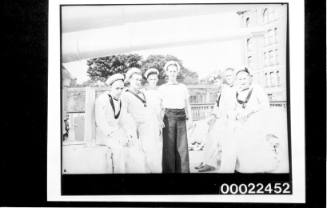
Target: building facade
265,48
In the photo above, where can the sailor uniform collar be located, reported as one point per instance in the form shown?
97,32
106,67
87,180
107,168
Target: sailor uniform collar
137,96
111,100
244,103
115,99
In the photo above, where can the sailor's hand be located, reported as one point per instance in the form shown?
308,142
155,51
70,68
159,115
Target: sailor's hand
131,140
242,116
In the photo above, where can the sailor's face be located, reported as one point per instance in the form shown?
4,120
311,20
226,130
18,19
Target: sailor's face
229,77
172,72
117,88
243,80
136,81
218,82
152,80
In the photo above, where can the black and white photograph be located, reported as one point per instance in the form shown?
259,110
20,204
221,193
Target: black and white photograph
172,103
175,90
181,91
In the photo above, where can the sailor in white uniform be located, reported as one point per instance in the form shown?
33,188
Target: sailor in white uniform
154,101
254,152
113,127
220,148
137,107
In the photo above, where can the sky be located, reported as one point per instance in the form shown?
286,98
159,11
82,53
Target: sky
202,58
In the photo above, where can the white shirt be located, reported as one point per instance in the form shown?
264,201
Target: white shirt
227,99
258,100
117,105
154,100
174,95
226,102
106,124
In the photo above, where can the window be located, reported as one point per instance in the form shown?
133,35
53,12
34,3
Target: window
276,34
276,56
249,43
250,62
247,21
270,36
75,124
278,78
193,99
272,81
266,80
265,39
271,15
270,58
265,15
265,59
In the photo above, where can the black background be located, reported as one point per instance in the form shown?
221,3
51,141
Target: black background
24,99
158,184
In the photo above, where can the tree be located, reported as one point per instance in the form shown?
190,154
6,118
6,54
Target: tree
92,83
209,79
103,67
67,79
159,61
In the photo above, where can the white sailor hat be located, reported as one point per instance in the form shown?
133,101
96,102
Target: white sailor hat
131,72
245,69
114,78
175,63
151,71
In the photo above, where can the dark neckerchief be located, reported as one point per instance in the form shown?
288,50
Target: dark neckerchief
113,106
243,103
138,97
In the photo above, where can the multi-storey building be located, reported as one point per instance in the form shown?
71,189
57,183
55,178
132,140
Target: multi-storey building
265,48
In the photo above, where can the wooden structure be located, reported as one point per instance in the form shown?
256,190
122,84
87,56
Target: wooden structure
80,144
78,106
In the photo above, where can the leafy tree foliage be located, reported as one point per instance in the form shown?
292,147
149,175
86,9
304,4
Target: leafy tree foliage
159,61
67,79
103,67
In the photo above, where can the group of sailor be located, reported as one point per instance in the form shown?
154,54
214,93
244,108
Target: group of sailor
146,126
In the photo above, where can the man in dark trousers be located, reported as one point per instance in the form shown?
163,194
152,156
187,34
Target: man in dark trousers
175,99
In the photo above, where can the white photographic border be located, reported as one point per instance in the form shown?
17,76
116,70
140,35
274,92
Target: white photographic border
296,84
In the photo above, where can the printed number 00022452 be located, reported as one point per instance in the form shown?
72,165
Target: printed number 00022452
258,188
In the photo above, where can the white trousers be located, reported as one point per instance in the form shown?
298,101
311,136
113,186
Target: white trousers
220,147
149,137
126,159
254,153
118,155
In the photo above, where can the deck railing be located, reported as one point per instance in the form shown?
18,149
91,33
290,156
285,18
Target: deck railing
78,106
201,111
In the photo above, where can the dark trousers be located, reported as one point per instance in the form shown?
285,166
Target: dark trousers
175,158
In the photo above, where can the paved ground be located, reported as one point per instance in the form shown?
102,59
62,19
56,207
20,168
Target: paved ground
277,117
195,159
